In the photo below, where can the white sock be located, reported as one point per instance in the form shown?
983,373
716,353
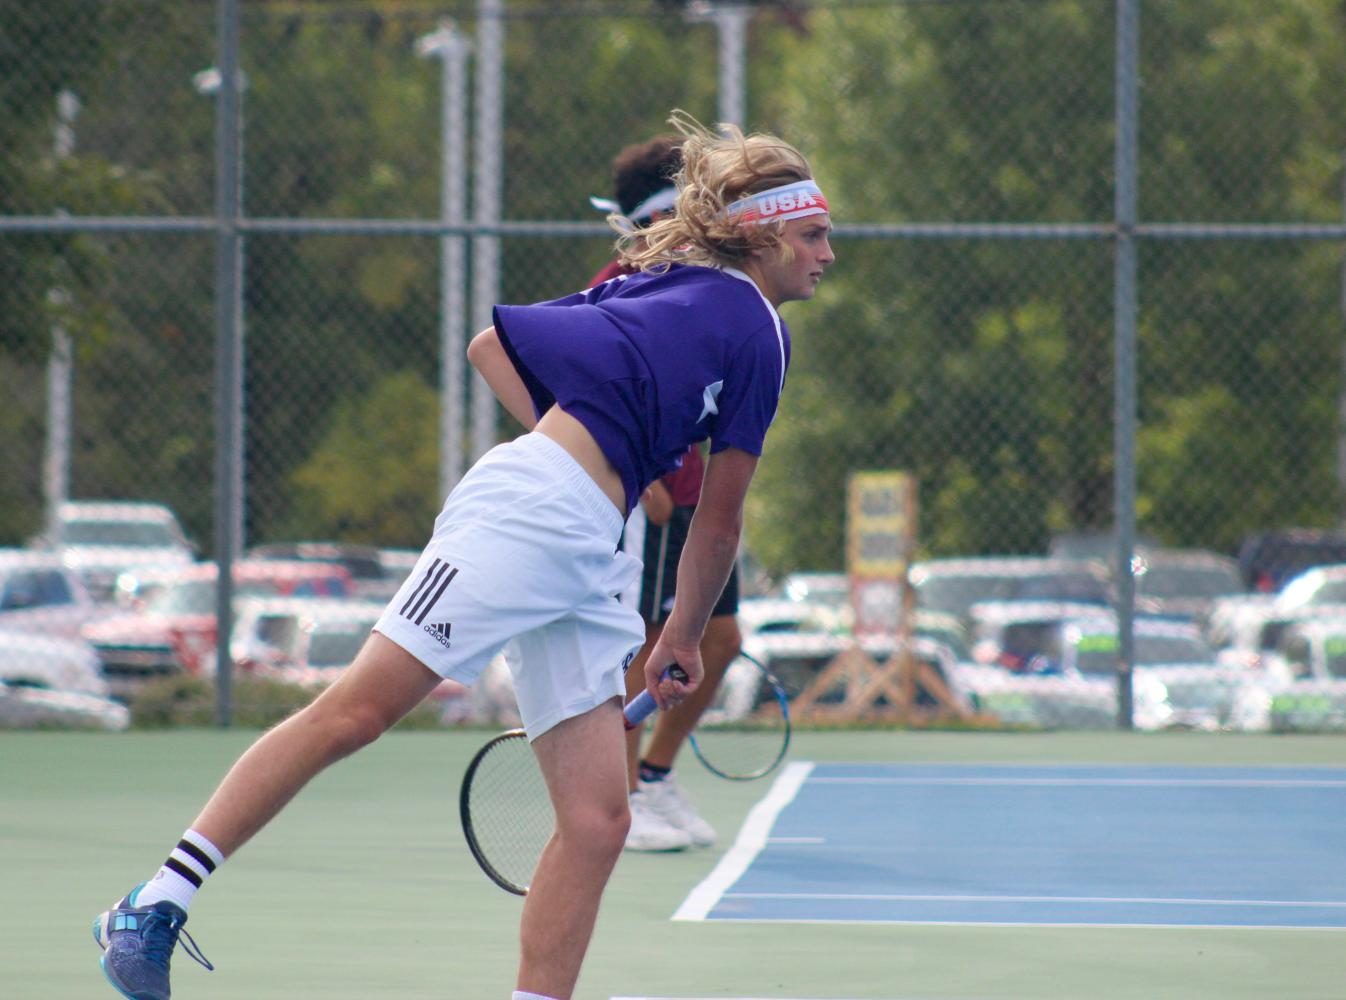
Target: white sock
182,874
521,995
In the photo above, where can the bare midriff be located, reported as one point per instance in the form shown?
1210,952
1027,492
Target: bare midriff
575,438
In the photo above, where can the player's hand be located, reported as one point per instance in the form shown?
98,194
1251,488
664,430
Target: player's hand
669,691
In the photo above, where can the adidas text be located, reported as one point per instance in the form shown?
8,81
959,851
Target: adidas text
440,632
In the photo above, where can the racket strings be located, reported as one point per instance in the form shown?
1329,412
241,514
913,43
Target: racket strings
507,812
745,732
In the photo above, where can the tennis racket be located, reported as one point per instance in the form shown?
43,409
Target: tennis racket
506,812
745,731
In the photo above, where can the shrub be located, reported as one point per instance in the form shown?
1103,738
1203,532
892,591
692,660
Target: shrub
258,703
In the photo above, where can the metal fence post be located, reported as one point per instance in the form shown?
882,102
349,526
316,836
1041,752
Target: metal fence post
448,45
228,345
1124,319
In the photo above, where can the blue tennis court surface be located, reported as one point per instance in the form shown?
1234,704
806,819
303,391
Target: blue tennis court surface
1038,845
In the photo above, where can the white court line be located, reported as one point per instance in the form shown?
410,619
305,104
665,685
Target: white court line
752,838
1100,782
1106,900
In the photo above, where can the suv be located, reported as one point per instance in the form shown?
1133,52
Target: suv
307,640
1270,559
101,538
170,625
954,585
1314,650
39,594
370,577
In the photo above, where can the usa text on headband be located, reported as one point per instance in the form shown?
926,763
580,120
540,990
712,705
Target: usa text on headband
795,200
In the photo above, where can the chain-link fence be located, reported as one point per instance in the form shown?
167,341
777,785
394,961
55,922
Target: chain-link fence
406,164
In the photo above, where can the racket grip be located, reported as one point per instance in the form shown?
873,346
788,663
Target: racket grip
639,707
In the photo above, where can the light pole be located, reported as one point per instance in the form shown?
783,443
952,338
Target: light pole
60,370
228,91
208,82
448,45
731,27
488,182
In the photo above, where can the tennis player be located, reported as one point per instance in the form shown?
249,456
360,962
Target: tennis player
613,384
663,817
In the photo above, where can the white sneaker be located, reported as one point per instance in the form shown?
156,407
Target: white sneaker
650,831
665,798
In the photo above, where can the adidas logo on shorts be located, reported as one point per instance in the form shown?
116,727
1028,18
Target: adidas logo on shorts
440,632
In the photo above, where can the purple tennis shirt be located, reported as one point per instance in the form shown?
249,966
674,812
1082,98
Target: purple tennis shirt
654,362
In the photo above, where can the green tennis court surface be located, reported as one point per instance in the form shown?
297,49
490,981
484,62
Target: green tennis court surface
364,888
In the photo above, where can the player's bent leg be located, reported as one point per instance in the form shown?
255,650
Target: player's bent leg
719,645
659,793
582,762
383,684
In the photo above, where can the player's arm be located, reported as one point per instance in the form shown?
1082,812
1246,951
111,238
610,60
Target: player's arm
707,559
489,357
657,503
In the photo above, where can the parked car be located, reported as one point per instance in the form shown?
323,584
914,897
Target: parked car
308,640
101,538
775,614
169,626
1320,585
1091,646
1267,560
1304,686
1314,649
1072,683
1057,701
1095,546
398,563
39,593
831,589
24,707
1244,628
1183,583
56,663
952,586
1199,691
1011,634
369,575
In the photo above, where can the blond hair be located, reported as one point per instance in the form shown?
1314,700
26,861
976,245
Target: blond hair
718,168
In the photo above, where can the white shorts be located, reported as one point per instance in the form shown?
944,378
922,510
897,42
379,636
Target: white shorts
524,553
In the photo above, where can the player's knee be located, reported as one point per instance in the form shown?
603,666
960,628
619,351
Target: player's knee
599,829
346,726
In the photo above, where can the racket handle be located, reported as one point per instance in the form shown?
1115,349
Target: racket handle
639,707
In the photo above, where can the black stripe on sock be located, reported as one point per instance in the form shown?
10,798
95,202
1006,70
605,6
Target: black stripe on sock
653,772
197,855
174,865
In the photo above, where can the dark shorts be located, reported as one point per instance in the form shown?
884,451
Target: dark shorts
663,548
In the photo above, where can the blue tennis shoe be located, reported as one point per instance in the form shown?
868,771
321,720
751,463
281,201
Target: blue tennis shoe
137,943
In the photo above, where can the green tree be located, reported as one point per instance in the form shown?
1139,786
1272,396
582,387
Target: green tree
985,367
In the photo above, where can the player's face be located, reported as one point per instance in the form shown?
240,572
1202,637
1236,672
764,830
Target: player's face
791,271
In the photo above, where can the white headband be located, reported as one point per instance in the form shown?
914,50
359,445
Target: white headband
661,201
780,204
